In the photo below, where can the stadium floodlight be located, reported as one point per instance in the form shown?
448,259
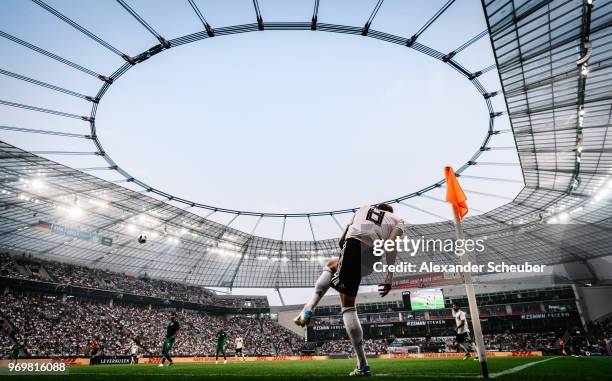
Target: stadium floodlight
578,209
75,212
38,184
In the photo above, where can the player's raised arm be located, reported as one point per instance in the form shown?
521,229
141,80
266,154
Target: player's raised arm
390,257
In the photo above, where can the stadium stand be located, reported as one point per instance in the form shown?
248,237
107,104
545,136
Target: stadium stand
50,326
60,324
53,325
372,347
27,267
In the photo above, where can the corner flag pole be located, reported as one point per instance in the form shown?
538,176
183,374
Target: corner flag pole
455,196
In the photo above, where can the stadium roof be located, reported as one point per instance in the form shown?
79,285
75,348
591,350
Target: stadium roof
553,60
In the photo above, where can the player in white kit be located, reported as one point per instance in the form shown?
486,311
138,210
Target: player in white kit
463,338
134,354
356,261
239,346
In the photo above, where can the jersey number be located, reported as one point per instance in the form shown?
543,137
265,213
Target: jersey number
375,216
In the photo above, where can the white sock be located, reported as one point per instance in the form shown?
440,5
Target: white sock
353,328
321,287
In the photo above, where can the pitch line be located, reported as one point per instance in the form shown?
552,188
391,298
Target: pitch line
518,368
471,376
275,375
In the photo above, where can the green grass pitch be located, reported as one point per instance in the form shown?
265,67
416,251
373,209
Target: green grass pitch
542,368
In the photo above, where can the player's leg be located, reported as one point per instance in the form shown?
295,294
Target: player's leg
170,345
217,354
462,343
224,355
164,351
468,345
355,333
321,286
346,280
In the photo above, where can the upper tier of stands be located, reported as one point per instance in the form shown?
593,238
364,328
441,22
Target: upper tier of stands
62,274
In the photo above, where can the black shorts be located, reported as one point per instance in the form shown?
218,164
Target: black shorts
463,337
356,261
238,350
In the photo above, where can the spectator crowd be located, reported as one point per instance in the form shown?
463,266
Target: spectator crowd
371,347
60,326
26,267
50,326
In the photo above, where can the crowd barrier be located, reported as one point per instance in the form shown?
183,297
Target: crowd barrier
204,359
456,355
108,360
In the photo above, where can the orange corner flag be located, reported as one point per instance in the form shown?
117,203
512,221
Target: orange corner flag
454,193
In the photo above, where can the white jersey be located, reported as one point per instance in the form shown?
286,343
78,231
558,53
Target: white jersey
459,316
134,349
239,343
370,224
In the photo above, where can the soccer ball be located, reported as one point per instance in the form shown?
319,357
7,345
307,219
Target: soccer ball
142,238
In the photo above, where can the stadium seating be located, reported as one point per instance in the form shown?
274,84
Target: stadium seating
74,275
49,326
59,324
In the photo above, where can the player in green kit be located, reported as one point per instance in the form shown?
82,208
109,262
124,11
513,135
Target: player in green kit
221,337
15,351
171,331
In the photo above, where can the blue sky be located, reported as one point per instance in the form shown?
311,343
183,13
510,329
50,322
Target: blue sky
266,121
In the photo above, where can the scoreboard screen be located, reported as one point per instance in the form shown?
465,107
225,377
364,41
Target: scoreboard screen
426,299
